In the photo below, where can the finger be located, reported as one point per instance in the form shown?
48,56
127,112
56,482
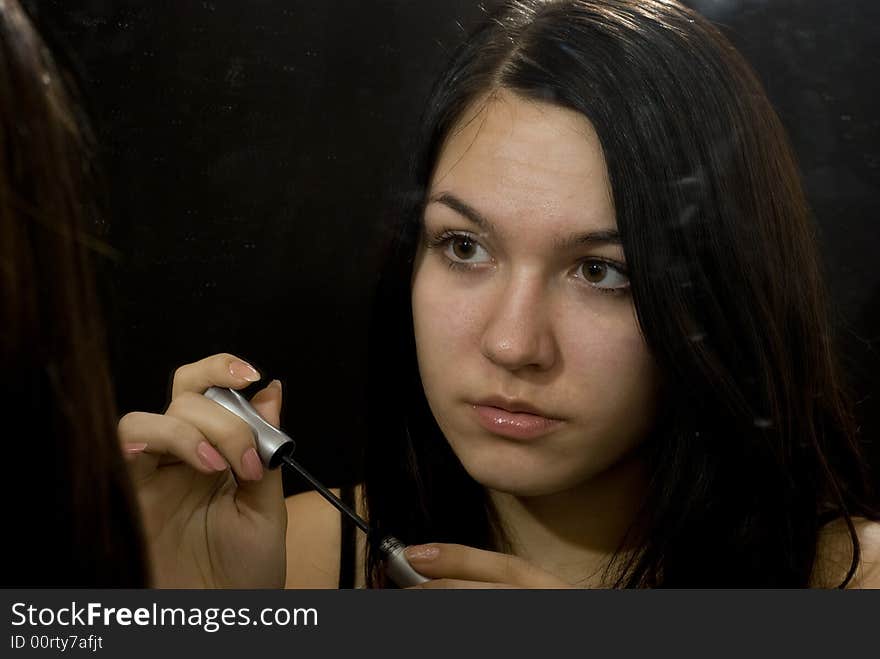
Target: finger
264,498
223,370
268,403
266,495
146,438
451,561
230,435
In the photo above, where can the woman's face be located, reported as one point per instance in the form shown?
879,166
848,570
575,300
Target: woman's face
528,346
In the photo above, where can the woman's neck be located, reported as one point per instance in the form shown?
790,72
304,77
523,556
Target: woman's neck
573,534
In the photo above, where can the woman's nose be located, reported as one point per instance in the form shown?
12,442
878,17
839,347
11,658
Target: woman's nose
518,332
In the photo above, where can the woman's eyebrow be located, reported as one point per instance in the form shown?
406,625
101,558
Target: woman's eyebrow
464,210
599,237
590,238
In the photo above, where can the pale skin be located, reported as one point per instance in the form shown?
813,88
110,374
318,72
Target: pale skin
535,307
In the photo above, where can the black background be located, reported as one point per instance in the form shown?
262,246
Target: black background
252,150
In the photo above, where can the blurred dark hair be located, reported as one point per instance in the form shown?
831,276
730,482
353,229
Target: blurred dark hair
757,447
71,515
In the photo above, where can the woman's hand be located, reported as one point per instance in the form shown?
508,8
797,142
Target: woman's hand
213,517
458,566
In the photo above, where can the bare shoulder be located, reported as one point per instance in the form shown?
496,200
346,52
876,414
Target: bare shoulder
314,539
834,554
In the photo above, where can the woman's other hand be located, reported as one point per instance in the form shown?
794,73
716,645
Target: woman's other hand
458,566
213,516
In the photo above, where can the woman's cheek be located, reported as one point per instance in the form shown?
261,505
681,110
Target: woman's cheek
446,313
607,360
433,321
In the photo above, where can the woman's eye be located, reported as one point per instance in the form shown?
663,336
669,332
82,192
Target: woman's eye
464,249
603,275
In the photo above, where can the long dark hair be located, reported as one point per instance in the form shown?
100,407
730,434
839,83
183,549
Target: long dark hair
757,447
70,515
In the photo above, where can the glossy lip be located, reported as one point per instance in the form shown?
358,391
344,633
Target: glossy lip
513,418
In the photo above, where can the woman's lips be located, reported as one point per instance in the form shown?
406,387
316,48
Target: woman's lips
518,425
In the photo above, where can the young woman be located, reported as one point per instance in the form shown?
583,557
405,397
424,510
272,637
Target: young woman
56,397
601,353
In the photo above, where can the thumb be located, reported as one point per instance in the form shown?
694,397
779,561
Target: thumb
268,403
265,494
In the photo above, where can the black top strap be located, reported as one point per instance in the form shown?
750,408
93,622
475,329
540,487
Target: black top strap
348,544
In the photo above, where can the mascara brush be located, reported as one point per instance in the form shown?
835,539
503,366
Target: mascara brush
275,448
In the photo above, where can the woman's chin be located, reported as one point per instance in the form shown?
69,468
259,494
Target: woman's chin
521,480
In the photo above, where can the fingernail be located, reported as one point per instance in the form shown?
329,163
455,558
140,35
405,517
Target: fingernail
251,467
421,552
244,371
210,457
275,384
136,447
